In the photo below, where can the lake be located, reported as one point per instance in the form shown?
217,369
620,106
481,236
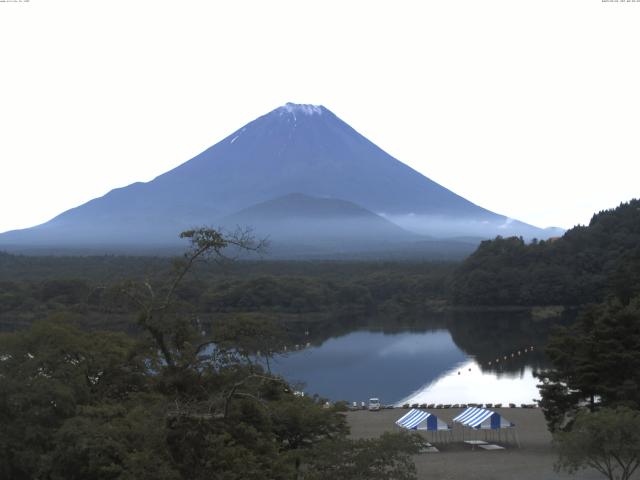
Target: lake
467,362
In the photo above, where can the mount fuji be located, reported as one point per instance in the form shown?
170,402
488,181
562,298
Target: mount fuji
298,174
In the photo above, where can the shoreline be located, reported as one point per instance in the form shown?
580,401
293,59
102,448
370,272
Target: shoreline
534,460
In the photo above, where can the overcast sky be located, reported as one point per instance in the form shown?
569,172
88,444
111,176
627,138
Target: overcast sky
528,108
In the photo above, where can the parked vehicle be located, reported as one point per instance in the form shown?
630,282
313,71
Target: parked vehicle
374,404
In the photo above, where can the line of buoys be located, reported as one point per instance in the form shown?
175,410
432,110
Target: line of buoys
512,355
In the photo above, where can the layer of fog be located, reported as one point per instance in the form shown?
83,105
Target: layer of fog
444,227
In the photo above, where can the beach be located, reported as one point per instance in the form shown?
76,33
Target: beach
533,460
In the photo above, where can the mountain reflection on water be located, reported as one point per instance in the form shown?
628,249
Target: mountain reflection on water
450,360
468,383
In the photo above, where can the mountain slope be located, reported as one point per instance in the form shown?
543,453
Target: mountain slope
294,148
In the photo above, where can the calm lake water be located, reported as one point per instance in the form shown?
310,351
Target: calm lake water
420,367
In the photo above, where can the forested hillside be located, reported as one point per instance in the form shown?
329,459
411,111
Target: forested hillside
580,267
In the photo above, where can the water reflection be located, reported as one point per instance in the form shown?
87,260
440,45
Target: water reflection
468,383
367,364
489,337
419,363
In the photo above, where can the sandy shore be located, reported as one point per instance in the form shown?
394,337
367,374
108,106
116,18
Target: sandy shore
532,461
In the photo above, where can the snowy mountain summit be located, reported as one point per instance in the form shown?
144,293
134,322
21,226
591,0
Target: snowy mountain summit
300,109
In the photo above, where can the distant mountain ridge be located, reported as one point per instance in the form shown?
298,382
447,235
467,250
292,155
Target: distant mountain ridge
303,149
299,218
299,205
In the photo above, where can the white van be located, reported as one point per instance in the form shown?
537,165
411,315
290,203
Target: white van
374,404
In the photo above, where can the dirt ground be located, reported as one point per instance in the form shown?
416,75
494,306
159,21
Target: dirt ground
533,460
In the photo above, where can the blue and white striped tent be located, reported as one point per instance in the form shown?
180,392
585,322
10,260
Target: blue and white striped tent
482,419
421,420
491,423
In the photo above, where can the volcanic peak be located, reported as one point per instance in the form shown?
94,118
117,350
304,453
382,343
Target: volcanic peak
300,109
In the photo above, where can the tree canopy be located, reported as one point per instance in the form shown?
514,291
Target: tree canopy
580,267
596,362
607,440
172,401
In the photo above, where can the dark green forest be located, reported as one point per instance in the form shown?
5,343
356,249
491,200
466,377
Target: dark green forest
581,267
90,289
